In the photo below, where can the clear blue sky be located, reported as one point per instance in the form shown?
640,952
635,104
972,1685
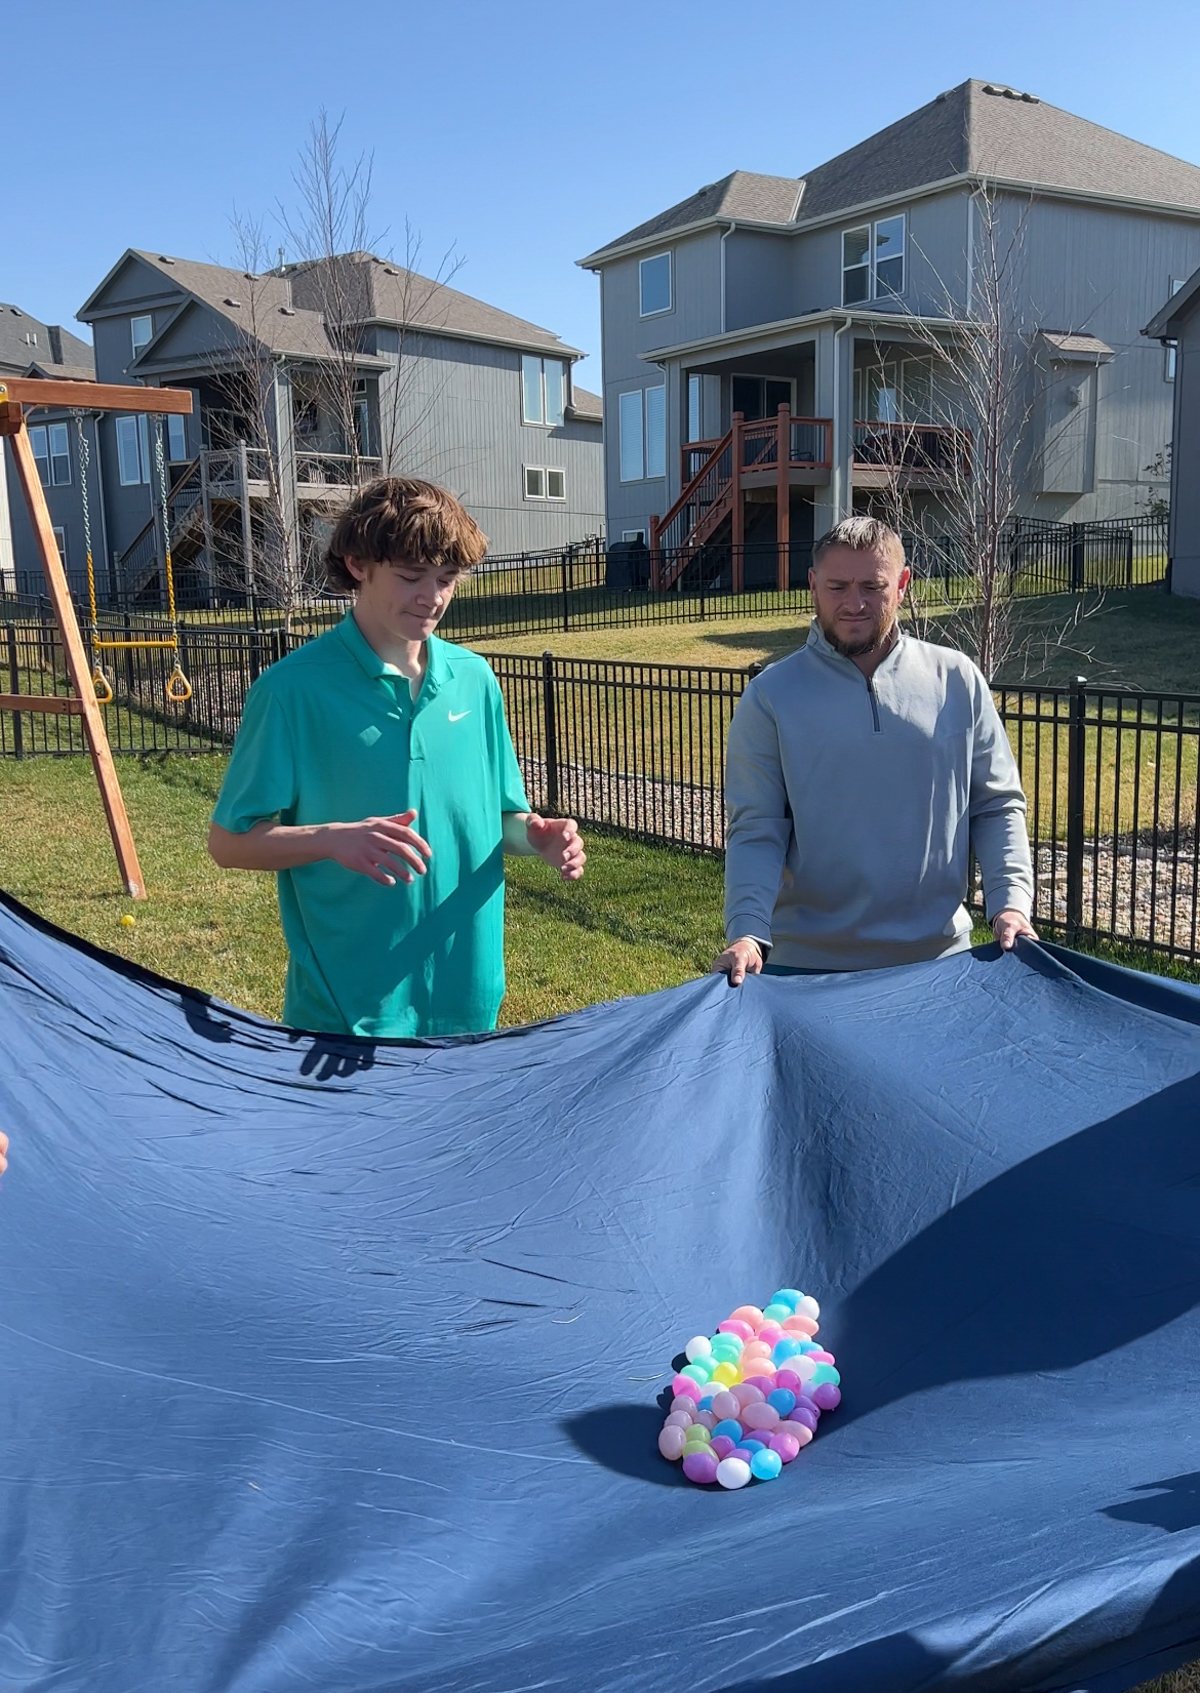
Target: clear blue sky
524,133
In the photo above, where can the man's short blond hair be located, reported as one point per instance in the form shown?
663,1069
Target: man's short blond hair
862,535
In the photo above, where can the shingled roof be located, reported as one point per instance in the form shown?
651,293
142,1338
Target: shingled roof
979,129
287,303
26,342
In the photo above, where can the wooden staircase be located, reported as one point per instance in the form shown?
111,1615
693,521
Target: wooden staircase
763,452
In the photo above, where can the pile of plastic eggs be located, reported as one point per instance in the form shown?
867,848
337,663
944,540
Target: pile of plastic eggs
750,1396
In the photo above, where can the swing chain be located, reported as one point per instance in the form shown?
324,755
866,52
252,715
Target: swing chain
178,689
100,682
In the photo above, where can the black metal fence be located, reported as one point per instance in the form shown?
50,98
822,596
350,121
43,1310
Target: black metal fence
543,594
1111,777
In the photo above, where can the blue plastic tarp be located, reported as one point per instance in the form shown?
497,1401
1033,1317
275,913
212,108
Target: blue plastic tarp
335,1366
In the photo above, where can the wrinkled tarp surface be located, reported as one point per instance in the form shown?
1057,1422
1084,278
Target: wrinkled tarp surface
329,1365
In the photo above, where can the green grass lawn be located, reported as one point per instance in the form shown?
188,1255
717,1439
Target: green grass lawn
642,919
1135,639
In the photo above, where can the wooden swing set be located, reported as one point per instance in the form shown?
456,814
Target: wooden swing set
92,688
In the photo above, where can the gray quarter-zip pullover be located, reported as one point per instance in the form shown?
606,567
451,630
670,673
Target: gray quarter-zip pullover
852,806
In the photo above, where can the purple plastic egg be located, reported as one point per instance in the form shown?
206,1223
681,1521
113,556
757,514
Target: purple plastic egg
788,1379
726,1405
827,1396
678,1419
706,1419
786,1445
701,1467
743,1452
722,1445
747,1393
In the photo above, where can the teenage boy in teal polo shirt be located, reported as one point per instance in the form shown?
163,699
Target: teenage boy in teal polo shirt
374,774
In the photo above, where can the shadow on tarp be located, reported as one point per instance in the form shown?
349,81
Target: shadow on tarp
1172,1505
1063,1258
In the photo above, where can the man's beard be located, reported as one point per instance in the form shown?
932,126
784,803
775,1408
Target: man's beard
877,640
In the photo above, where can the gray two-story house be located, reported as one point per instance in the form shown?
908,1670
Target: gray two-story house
1176,326
31,348
293,401
780,351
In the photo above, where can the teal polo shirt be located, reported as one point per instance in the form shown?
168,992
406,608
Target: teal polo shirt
331,734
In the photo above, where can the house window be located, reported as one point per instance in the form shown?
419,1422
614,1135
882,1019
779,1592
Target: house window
51,445
543,391
654,285
634,535
1177,283
873,261
177,450
695,408
141,332
133,450
642,417
60,541
545,482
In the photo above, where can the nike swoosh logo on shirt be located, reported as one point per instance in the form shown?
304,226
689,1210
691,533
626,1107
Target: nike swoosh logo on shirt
457,716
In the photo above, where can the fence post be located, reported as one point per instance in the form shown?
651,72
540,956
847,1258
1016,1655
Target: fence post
14,684
1078,557
1076,754
550,732
566,596
1129,558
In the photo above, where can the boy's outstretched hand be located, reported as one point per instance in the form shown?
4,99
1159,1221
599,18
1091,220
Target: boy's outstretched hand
558,841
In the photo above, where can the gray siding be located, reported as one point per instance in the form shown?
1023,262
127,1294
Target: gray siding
66,513
1185,485
456,407
934,270
760,279
1101,271
626,336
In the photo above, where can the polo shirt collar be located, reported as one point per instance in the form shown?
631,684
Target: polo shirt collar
437,659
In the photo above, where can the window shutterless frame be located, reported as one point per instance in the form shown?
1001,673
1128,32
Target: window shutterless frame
656,284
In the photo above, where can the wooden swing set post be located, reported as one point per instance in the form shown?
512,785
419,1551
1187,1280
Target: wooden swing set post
15,394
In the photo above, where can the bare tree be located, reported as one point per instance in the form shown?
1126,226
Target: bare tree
347,411
986,397
332,245
267,561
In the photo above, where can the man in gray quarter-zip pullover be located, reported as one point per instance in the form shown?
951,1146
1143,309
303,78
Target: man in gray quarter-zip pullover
860,774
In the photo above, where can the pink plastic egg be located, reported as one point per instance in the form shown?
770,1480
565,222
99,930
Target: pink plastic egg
706,1419
788,1378
747,1394
760,1416
670,1444
786,1445
749,1314
683,1402
801,1326
684,1387
798,1431
821,1357
770,1332
678,1419
726,1405
734,1325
